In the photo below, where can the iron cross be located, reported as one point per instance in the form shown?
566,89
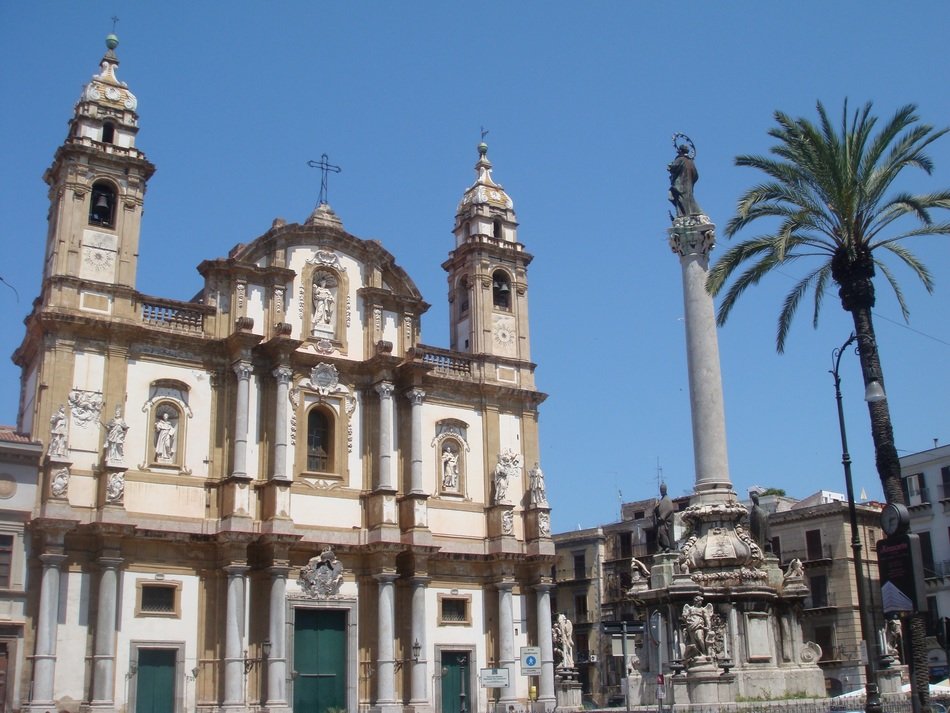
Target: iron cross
325,168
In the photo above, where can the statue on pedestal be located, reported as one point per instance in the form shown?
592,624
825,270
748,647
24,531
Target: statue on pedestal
663,520
683,176
759,524
563,635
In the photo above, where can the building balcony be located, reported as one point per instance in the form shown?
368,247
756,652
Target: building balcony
577,574
171,315
813,556
816,602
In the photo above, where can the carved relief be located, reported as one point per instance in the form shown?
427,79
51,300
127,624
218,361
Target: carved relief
279,300
348,302
508,467
544,524
378,319
323,576
508,522
84,407
328,258
241,294
60,485
294,396
115,487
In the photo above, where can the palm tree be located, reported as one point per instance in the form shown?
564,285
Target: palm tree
829,193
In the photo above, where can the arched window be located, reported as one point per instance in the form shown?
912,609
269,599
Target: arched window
108,132
102,205
501,290
463,296
319,441
496,229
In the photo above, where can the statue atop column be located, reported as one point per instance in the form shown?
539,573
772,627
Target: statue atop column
683,176
759,524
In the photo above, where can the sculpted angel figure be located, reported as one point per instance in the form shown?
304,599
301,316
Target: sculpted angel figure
697,619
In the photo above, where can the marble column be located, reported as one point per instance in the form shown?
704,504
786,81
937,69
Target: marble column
385,642
44,658
692,238
506,638
385,391
234,637
283,375
103,677
243,371
276,632
416,397
546,684
419,694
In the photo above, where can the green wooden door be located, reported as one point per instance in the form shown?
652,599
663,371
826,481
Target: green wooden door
155,681
455,693
319,660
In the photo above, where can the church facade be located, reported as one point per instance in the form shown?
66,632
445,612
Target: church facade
276,496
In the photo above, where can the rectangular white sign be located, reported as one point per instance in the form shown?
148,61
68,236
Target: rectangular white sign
493,677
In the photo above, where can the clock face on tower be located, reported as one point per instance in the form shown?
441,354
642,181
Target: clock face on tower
503,332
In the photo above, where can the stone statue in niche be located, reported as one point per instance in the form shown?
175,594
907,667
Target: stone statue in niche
165,433
116,431
450,467
324,299
537,493
57,434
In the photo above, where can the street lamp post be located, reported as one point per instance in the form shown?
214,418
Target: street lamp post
874,392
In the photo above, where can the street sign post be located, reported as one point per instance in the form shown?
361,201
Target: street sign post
530,660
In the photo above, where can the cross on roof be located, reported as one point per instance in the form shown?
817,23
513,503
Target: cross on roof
325,168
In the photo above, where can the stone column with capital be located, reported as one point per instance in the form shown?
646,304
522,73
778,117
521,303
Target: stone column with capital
546,695
416,397
385,391
243,371
44,657
419,693
692,237
277,634
386,645
103,677
506,639
234,637
283,375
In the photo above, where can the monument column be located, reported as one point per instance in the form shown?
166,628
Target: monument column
506,639
692,237
546,684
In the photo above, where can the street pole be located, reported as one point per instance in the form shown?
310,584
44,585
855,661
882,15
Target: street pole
626,670
873,698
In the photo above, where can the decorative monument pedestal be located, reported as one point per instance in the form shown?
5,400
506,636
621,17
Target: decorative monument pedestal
568,690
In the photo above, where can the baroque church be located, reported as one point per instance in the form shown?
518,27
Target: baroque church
275,496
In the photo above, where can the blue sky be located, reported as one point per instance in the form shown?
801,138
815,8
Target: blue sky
581,100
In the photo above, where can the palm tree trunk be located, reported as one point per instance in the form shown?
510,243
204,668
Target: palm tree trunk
889,470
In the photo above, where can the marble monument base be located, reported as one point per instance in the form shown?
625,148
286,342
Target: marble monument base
568,690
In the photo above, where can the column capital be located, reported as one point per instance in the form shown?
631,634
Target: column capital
692,235
235,570
415,396
242,369
543,586
420,579
110,562
386,577
278,570
283,374
384,389
52,559
505,585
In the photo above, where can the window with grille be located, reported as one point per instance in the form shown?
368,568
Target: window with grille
318,441
158,599
454,610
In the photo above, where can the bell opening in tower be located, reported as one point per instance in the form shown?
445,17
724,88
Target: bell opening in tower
102,205
501,290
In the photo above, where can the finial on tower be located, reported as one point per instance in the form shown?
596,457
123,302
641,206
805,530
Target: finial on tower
112,40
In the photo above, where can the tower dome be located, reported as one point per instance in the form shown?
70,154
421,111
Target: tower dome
105,88
485,209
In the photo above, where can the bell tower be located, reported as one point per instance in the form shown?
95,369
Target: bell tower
488,304
96,189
